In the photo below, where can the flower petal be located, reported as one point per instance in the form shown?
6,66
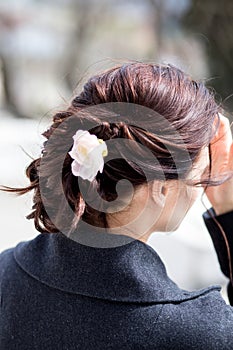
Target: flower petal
88,152
75,166
87,173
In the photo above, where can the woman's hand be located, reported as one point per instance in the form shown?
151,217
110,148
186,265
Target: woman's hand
221,197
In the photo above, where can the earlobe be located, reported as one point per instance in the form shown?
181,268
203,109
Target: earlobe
158,192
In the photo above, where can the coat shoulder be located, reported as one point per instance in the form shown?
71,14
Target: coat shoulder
6,261
204,322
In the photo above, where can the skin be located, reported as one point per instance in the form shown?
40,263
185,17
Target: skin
167,203
221,197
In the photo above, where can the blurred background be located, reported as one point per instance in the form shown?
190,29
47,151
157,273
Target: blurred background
48,48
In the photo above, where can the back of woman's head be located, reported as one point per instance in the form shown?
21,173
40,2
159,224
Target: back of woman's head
154,97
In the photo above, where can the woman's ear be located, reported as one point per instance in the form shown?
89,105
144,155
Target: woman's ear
159,191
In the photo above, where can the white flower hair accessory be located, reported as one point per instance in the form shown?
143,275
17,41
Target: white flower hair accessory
88,153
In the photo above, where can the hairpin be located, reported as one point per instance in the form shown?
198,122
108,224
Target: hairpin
88,153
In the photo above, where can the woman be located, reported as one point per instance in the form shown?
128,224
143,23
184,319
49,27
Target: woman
127,158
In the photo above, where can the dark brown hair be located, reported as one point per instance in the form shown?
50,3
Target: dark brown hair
186,104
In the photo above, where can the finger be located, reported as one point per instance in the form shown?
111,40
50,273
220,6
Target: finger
223,135
230,163
221,143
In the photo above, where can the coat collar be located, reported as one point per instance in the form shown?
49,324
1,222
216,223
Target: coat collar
132,272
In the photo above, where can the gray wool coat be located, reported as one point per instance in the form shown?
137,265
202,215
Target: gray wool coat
58,294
